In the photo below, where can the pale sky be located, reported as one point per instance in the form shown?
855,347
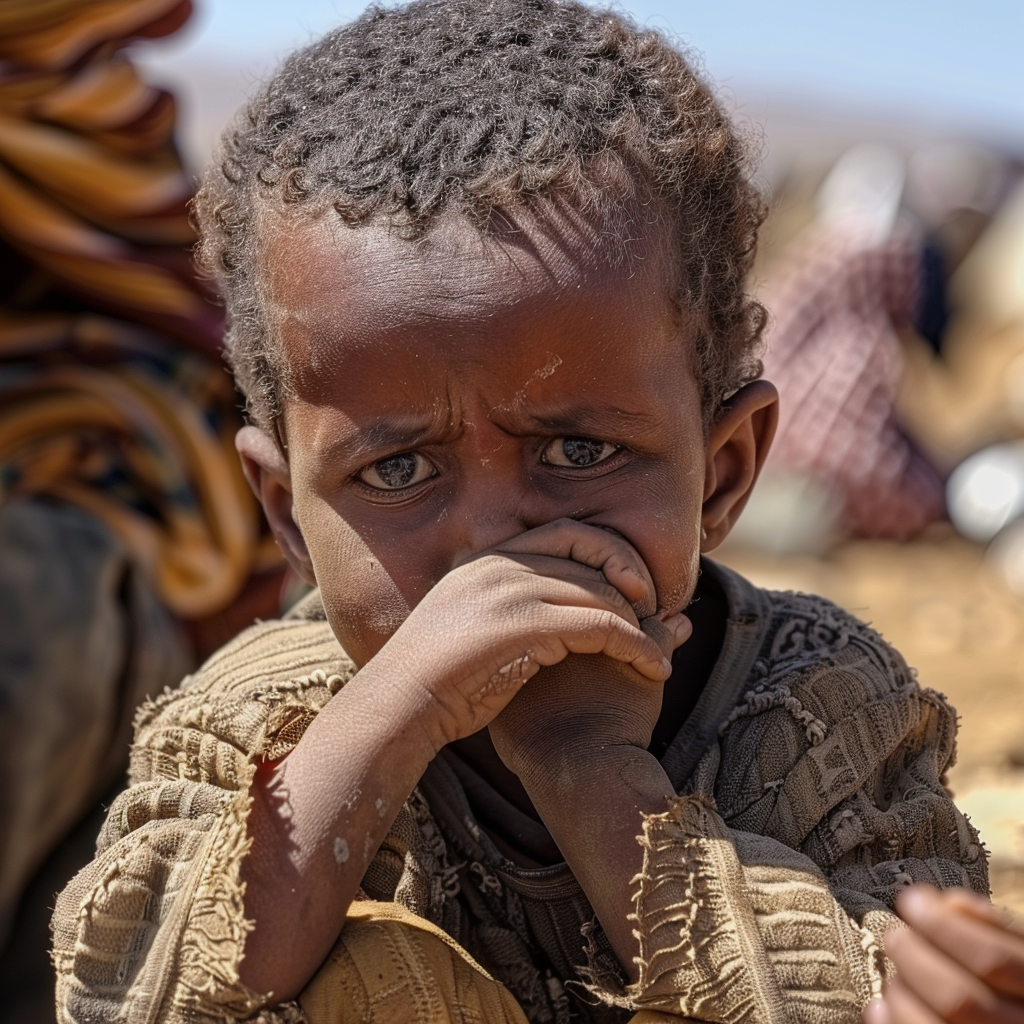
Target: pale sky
950,65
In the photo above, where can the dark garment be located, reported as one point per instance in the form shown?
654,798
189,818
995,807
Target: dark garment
83,640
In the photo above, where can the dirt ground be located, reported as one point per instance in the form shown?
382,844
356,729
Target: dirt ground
953,620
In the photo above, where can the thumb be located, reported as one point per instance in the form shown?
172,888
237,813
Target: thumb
668,634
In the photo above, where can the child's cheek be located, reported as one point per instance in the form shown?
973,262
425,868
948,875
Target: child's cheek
364,605
680,581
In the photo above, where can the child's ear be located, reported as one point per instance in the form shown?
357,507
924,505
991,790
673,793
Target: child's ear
737,447
266,469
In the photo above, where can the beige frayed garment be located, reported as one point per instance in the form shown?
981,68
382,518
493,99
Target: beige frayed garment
766,885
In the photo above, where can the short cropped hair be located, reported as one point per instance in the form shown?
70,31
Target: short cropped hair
477,106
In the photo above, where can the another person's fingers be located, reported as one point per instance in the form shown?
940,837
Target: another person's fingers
964,901
899,1005
985,947
949,990
602,549
876,1012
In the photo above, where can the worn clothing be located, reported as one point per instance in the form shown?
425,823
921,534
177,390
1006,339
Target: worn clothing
810,780
392,967
83,639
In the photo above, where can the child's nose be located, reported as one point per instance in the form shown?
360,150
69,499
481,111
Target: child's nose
482,524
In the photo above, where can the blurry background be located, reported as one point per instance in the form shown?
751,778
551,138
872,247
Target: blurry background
812,74
892,145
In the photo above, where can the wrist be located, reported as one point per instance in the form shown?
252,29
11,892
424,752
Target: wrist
591,772
404,708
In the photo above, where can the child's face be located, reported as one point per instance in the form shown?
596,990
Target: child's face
455,391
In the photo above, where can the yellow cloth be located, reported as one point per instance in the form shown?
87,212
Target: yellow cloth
129,414
392,967
88,167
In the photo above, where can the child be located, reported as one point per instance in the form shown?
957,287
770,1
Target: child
484,265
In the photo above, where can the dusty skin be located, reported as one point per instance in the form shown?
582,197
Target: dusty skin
428,487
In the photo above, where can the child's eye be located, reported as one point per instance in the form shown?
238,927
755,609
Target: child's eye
577,452
397,471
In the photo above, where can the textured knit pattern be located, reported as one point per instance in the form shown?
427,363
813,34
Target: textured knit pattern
766,885
392,967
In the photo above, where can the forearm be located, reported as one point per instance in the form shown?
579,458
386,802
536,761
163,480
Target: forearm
594,808
317,821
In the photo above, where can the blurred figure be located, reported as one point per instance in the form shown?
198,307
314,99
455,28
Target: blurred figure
847,288
986,491
123,513
951,190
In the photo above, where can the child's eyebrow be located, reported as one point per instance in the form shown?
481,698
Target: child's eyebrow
375,440
369,442
582,420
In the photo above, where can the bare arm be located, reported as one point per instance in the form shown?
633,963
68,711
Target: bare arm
578,743
457,660
595,816
317,821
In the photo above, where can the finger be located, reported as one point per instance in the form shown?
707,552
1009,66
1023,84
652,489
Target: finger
585,591
876,1012
944,986
964,901
600,631
599,548
988,950
903,1007
668,633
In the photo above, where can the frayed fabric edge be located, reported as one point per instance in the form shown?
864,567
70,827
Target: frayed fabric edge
700,952
213,943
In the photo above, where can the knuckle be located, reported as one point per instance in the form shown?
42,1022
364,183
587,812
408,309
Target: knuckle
625,644
967,1005
611,596
564,523
994,962
606,621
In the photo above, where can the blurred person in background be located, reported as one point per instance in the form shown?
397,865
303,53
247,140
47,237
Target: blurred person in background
129,542
846,289
859,296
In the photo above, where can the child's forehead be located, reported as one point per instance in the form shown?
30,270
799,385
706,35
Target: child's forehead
328,287
557,244
528,326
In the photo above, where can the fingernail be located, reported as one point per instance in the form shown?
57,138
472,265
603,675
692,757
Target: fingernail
912,902
679,626
876,1012
683,628
666,667
912,899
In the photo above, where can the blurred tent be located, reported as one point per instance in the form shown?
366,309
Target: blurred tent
124,516
846,288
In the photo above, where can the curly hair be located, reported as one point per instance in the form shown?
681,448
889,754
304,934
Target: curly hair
476,106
